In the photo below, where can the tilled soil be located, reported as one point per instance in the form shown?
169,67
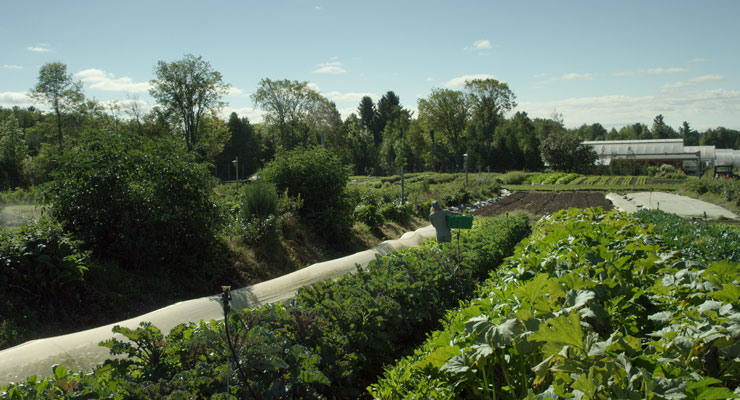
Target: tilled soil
542,203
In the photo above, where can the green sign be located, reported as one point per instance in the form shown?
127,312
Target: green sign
460,221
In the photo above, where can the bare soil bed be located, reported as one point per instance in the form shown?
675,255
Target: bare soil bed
542,203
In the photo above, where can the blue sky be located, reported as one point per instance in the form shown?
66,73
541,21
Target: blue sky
612,62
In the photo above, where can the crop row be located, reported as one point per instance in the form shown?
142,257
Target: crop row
593,305
331,341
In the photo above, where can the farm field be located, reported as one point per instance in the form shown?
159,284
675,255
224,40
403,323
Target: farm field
541,203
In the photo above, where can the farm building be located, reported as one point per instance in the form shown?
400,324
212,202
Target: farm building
692,159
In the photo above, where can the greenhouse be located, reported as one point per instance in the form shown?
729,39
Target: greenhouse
691,159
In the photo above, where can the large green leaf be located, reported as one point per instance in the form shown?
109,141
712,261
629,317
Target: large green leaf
560,331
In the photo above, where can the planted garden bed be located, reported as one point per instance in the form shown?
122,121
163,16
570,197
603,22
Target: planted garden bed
593,305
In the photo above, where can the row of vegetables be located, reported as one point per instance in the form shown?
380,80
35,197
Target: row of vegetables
592,305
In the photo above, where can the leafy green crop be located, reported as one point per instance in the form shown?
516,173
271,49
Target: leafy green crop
695,240
591,306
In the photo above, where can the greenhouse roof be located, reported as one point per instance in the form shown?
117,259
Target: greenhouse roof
636,147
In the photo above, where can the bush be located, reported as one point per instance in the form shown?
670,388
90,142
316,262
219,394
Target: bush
320,179
136,202
514,177
368,214
394,211
260,200
41,274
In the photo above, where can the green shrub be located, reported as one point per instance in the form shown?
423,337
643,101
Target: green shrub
368,214
320,179
394,211
41,275
139,203
514,177
260,200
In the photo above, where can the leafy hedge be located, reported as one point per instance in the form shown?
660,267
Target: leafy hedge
332,341
591,306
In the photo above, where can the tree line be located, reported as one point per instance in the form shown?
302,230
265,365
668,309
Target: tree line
474,125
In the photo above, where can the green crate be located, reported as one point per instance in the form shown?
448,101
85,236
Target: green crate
460,221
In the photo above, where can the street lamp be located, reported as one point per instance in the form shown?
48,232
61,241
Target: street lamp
465,160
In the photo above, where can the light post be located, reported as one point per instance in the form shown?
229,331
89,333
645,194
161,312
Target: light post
465,160
236,164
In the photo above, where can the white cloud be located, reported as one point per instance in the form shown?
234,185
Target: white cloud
573,76
346,111
705,109
313,87
254,115
664,71
10,99
99,79
41,48
542,75
622,74
479,45
334,67
699,80
234,91
459,82
430,79
123,108
9,66
356,97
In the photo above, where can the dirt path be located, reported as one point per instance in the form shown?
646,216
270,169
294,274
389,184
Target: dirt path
541,203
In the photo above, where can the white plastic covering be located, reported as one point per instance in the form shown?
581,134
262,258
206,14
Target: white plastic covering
80,351
626,147
727,157
707,153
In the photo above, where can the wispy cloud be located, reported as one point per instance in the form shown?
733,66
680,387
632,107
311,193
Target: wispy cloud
699,80
254,115
459,82
8,66
478,45
332,67
704,109
574,76
651,71
355,97
700,60
10,99
547,78
41,48
99,79
664,71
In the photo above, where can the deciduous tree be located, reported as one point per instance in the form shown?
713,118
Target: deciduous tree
489,100
57,89
189,89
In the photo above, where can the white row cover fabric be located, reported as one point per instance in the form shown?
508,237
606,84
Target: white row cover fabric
80,351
